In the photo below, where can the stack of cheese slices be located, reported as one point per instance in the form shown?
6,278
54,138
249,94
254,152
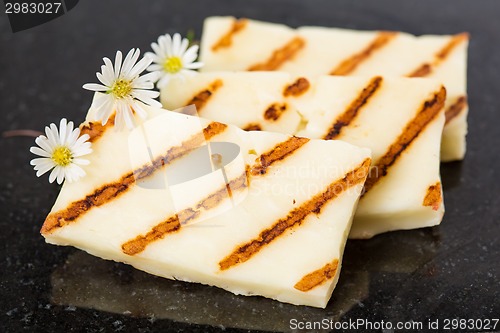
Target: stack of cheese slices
259,194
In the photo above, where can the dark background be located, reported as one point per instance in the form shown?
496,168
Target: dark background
450,271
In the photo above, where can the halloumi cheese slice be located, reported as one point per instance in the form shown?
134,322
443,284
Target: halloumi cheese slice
239,45
399,119
255,213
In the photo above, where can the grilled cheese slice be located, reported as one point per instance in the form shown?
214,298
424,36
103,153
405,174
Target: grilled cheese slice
399,119
263,215
315,51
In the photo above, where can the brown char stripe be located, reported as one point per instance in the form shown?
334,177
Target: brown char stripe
276,154
110,191
350,64
423,70
428,111
433,197
174,223
95,129
455,109
227,39
318,277
200,99
353,110
252,127
274,111
426,68
280,56
296,216
299,87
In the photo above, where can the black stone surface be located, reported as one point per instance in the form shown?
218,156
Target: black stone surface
450,271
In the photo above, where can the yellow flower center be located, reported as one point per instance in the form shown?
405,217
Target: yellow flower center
172,65
121,88
62,156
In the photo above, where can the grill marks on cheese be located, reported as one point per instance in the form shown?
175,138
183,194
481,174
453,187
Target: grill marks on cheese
280,56
174,223
278,153
95,129
299,87
253,127
354,108
318,277
200,99
274,111
350,64
110,191
295,217
227,39
428,111
455,109
426,68
433,197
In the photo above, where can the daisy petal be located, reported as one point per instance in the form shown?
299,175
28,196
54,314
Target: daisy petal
105,111
154,67
150,101
99,100
165,43
44,168
104,80
53,175
118,62
108,75
60,174
176,44
194,65
52,134
144,85
163,81
131,59
95,87
191,54
145,93
156,59
119,120
110,67
140,110
74,172
127,115
44,143
139,67
81,140
183,47
144,78
69,131
158,50
62,131
72,138
39,152
39,161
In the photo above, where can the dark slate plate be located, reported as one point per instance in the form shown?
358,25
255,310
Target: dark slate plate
450,271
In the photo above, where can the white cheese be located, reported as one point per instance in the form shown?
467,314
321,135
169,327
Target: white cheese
399,119
313,51
270,218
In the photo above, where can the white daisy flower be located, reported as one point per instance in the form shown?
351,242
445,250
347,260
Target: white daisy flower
60,151
123,89
172,58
